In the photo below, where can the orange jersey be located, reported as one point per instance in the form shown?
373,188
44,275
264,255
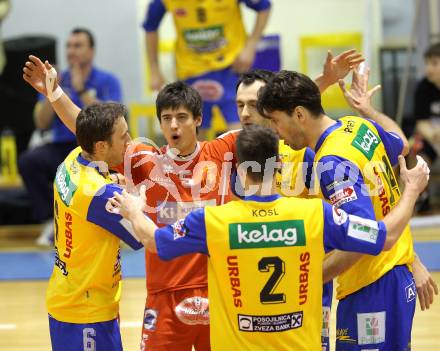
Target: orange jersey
175,187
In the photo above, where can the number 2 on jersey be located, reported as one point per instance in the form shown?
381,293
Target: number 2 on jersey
267,294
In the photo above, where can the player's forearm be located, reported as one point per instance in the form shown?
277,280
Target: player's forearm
67,111
386,123
337,263
398,218
260,25
144,229
43,114
322,83
152,43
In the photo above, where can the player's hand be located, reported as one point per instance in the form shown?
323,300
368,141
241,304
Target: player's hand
426,286
244,60
336,68
130,205
35,72
415,179
358,96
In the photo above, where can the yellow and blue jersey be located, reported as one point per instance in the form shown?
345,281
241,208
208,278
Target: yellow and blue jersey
354,171
85,285
209,34
294,176
265,265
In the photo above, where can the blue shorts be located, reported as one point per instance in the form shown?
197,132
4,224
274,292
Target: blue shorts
103,336
327,295
379,316
217,88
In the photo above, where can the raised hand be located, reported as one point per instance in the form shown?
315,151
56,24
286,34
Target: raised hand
358,96
35,73
415,179
128,204
338,67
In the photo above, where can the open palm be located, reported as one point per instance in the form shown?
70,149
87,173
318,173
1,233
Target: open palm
35,72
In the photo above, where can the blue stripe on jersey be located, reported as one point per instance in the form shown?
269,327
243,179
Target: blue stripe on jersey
112,222
352,233
392,142
183,237
343,185
309,157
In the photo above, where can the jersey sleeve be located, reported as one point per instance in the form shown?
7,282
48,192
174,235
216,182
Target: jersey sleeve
259,5
342,184
185,236
352,233
99,214
393,143
155,12
222,145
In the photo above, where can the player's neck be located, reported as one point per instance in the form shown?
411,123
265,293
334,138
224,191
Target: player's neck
317,128
266,188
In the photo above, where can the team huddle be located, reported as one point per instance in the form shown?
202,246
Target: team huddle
243,234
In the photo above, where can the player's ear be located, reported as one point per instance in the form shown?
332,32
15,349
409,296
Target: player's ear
100,146
198,120
300,113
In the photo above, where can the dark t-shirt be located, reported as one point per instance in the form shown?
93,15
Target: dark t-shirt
427,101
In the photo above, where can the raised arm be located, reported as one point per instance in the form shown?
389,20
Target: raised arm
38,74
155,13
359,98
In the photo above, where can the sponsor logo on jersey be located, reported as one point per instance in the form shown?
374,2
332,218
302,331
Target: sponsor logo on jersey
366,141
266,234
349,126
343,335
270,324
150,319
170,212
371,328
60,263
339,216
193,311
179,229
342,196
362,229
325,333
410,292
209,90
205,39
64,185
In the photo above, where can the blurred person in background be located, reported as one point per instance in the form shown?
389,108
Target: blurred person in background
427,115
85,84
211,48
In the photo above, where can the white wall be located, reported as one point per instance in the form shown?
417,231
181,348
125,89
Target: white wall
120,39
113,23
